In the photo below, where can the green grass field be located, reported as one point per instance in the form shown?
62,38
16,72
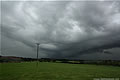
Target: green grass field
56,71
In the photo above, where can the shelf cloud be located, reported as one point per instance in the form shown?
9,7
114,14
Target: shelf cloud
64,29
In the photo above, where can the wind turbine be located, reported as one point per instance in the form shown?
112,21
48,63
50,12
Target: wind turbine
37,52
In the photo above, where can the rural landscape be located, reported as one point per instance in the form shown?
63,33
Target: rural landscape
60,40
16,68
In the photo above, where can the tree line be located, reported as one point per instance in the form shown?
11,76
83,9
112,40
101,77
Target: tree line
4,59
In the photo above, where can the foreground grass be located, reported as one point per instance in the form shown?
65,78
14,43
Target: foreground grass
56,71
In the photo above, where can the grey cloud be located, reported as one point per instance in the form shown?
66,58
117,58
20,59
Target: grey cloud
66,29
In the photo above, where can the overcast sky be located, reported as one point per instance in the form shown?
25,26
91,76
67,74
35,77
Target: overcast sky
64,29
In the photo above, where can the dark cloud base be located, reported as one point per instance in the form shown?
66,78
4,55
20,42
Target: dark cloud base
64,29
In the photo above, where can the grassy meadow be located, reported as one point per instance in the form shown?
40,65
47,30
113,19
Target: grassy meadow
56,71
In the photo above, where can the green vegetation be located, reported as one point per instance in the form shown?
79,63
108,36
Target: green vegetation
56,71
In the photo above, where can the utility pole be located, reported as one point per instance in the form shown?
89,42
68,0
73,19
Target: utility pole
37,52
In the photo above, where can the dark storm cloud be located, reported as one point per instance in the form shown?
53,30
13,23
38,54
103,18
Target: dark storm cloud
65,29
